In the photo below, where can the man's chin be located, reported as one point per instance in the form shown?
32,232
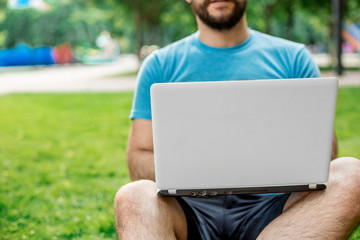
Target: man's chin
220,20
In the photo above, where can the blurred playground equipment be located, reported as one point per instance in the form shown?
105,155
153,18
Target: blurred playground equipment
107,50
22,4
23,55
351,36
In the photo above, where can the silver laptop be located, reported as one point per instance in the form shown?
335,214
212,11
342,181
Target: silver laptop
235,137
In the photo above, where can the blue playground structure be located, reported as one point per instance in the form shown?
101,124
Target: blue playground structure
23,55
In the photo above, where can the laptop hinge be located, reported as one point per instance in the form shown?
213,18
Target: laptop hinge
313,186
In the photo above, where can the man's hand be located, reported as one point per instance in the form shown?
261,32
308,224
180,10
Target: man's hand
140,152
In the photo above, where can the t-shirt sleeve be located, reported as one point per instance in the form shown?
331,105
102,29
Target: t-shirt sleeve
148,74
304,65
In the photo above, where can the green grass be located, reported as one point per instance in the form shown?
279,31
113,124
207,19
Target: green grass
347,127
347,122
62,159
332,69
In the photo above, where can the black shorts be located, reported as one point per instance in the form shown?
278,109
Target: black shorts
232,216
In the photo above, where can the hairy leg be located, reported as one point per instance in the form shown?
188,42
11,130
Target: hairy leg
141,214
330,214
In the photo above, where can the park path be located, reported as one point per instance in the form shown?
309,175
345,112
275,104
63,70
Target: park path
348,78
70,78
94,78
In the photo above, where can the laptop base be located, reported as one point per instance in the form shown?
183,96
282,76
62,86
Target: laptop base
234,191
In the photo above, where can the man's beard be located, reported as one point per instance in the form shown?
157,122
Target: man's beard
220,23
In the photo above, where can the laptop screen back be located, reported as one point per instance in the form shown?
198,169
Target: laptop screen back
234,134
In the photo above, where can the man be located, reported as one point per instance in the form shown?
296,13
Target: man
224,48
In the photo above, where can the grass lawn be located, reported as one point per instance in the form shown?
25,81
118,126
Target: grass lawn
62,159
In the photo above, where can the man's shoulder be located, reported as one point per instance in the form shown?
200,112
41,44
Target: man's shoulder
175,48
292,56
268,41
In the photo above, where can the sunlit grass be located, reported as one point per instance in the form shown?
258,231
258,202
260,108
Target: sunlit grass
347,122
62,159
347,127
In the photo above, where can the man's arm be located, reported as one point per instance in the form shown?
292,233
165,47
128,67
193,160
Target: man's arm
140,152
334,152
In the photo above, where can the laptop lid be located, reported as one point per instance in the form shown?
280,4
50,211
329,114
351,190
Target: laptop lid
253,136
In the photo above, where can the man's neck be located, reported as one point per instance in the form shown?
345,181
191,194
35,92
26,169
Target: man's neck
224,38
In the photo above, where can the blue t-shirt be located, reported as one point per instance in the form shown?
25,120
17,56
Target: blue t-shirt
189,60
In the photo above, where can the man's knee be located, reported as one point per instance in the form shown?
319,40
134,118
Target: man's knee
345,178
133,195
137,205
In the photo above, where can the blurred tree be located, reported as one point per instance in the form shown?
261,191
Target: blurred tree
136,23
159,22
3,4
146,20
293,19
352,10
63,23
177,21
